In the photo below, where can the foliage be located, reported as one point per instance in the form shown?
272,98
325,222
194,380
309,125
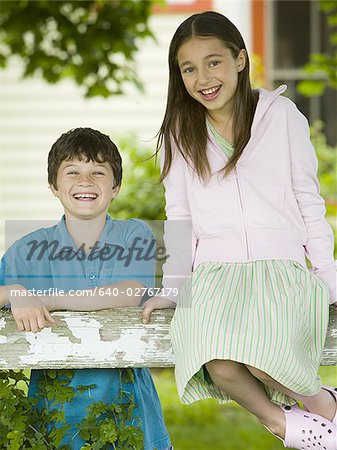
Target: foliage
323,66
257,71
327,174
113,424
141,195
93,42
327,168
24,426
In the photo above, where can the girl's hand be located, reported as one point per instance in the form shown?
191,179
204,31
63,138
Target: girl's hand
30,313
155,303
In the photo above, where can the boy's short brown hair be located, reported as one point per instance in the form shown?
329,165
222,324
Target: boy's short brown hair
87,144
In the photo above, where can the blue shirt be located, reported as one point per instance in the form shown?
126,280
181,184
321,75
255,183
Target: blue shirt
48,258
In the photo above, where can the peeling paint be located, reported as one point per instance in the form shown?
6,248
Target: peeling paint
106,335
3,339
2,322
112,338
50,346
333,334
136,347
66,332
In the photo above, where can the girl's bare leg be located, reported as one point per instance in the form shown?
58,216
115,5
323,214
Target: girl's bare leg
321,403
238,382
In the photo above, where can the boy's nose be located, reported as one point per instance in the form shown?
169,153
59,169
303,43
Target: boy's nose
85,180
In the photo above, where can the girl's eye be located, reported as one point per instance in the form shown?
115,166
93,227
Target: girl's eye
72,172
188,70
98,173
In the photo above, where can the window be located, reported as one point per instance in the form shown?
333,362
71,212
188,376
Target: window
298,29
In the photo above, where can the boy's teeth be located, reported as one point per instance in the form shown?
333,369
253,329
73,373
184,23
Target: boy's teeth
210,91
85,195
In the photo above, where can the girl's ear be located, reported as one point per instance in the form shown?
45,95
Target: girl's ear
54,191
241,60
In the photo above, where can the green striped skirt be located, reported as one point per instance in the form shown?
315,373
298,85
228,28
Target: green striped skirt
272,315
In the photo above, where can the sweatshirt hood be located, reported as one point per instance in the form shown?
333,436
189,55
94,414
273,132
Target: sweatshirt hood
266,98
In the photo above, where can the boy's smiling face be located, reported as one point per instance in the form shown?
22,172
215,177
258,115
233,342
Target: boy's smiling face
85,188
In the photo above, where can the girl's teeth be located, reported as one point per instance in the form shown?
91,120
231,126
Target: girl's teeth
210,91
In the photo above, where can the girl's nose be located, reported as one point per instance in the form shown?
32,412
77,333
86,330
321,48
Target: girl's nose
204,77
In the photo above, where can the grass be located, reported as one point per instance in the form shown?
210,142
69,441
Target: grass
208,425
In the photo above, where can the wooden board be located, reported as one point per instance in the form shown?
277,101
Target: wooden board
109,338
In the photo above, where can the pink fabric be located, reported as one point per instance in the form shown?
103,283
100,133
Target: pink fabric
268,208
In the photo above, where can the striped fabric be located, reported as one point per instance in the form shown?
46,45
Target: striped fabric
272,315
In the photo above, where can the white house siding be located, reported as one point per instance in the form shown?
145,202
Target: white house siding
33,114
240,13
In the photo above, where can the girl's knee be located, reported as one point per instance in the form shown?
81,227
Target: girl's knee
257,373
223,369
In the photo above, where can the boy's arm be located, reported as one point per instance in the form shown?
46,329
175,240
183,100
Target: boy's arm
124,293
5,292
29,312
139,275
32,312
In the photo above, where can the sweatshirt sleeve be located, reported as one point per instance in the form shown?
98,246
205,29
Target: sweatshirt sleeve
179,237
320,242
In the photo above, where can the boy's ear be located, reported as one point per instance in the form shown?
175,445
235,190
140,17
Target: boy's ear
54,191
115,192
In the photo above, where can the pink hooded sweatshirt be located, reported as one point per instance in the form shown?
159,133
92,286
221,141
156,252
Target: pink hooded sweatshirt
269,207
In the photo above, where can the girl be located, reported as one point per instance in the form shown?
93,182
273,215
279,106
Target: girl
239,165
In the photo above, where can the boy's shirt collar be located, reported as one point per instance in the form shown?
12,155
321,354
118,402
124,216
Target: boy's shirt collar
111,234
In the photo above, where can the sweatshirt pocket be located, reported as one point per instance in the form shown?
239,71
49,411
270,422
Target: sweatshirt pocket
265,207
215,205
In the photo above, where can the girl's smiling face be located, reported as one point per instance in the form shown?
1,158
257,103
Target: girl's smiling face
85,188
210,72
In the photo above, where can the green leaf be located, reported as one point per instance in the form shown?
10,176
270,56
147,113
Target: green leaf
82,389
311,88
51,36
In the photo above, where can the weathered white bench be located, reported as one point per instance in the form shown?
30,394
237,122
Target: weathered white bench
109,338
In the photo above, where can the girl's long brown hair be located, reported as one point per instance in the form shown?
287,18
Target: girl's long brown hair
185,117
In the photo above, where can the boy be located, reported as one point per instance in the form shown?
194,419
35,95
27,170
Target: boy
85,250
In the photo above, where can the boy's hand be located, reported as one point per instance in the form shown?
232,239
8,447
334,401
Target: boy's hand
30,313
155,303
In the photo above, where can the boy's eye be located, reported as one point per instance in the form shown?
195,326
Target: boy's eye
214,63
72,172
97,172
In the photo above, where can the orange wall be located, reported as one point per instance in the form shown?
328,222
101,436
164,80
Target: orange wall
258,30
193,7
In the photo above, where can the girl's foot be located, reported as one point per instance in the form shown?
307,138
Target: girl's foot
307,431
